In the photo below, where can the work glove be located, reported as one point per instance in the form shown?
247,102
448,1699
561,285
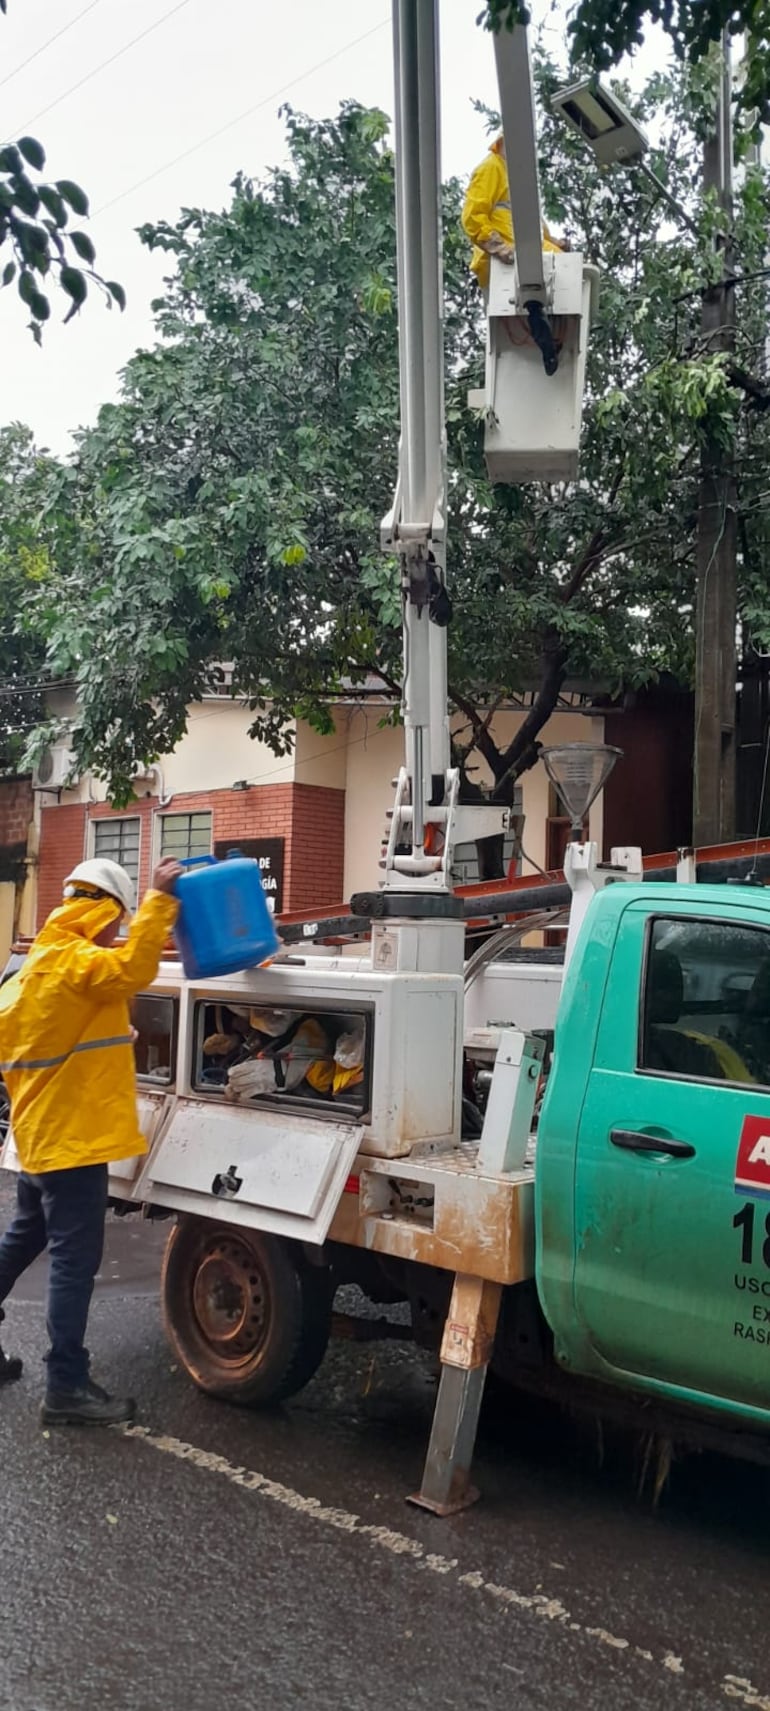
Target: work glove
499,247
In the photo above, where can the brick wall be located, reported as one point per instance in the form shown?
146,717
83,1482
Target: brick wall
62,845
317,850
310,819
16,807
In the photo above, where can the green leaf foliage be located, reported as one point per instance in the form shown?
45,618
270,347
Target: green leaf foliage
36,243
228,507
602,31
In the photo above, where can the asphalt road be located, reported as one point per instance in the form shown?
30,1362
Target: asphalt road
216,1558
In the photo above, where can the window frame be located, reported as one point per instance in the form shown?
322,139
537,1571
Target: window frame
162,814
754,1087
330,1111
147,1083
97,820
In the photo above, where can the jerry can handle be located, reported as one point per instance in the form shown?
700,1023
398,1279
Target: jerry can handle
193,861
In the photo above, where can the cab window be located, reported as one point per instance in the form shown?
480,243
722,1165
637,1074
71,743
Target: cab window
255,1055
706,1012
154,1018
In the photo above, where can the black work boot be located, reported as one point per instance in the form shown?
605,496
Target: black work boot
10,1368
10,1365
89,1406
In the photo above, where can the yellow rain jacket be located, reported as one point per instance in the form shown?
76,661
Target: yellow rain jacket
66,1055
487,209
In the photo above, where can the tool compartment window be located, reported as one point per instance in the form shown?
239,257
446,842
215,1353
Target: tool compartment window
154,1018
315,1057
707,1002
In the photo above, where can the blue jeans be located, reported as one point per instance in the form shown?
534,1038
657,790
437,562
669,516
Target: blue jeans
63,1210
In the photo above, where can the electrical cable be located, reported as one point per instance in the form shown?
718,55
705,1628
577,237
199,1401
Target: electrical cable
103,64
51,39
246,114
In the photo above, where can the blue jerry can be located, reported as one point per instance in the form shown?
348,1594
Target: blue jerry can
224,923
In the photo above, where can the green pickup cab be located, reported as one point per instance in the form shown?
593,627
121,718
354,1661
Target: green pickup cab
653,1152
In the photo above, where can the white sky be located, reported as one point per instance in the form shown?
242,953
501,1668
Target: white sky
208,63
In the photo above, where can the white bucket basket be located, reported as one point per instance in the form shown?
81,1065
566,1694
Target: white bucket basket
532,419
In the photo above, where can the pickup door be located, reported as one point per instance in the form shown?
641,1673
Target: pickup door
672,1184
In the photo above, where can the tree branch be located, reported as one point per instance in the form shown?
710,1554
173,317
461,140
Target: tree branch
523,752
482,738
758,394
594,551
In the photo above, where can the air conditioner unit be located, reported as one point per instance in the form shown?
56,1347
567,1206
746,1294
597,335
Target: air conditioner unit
141,774
55,768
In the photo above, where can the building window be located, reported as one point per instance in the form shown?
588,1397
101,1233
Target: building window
118,840
185,835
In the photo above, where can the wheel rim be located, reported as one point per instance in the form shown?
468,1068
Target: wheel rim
230,1300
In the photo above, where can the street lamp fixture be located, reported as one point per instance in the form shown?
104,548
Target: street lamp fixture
595,114
578,771
599,117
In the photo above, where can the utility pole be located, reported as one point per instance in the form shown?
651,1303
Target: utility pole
716,545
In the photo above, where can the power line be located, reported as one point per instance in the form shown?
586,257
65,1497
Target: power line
104,63
246,114
49,43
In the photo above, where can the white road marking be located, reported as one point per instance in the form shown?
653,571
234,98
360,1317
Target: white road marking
734,1687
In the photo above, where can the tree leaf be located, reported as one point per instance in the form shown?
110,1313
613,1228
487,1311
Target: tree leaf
73,194
75,285
9,272
27,286
82,244
25,194
33,152
116,291
55,203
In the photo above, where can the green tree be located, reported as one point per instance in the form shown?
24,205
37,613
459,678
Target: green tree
25,480
228,507
602,31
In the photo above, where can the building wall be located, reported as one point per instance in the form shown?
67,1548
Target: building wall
648,800
16,808
374,756
16,804
62,844
310,819
329,799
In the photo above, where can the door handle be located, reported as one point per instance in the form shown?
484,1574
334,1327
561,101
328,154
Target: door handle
633,1142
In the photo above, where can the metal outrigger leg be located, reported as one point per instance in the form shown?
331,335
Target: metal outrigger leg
466,1348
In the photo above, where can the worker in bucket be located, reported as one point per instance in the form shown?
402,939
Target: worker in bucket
66,1057
486,215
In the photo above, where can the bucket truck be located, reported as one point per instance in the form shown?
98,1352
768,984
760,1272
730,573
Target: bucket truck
612,1237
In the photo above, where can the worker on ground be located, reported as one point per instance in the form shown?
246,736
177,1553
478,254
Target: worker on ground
486,215
66,1057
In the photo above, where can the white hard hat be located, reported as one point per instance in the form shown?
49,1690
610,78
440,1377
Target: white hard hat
105,876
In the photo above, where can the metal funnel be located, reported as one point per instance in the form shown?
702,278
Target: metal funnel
578,771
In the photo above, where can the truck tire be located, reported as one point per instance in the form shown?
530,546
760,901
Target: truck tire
246,1315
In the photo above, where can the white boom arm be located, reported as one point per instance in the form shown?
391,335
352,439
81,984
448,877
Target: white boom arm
517,109
427,819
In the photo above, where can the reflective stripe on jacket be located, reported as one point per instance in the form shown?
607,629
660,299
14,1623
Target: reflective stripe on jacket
487,209
65,1034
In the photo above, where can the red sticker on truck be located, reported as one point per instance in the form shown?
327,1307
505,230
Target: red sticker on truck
752,1166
